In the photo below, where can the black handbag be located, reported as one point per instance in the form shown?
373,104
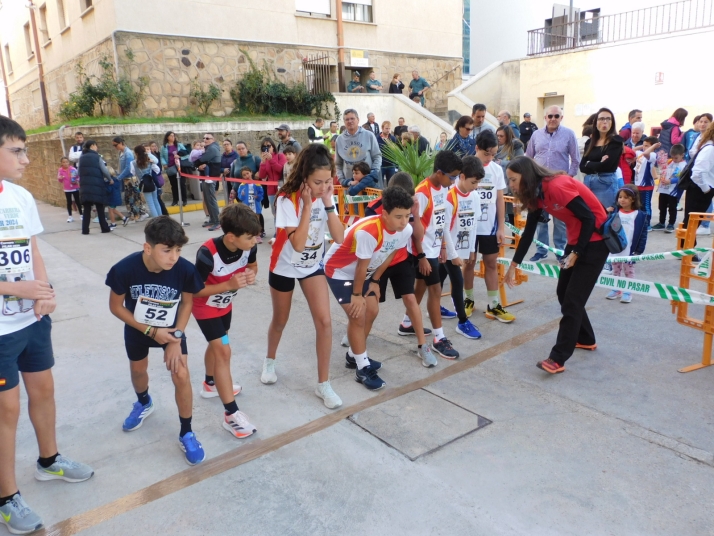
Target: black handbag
685,177
147,183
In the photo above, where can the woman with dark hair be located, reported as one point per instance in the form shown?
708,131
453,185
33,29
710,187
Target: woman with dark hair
140,168
158,178
271,169
169,149
567,199
671,133
462,142
601,159
94,177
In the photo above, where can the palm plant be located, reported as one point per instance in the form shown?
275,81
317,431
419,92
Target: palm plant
407,159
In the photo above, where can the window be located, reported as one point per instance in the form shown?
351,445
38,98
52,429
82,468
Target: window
44,33
28,40
357,10
60,15
314,7
8,61
85,4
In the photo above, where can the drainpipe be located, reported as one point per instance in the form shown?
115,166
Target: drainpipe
60,133
340,47
38,56
4,83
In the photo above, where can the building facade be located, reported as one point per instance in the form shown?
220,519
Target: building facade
174,43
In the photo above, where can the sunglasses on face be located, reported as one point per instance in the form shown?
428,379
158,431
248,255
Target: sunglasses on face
469,128
553,116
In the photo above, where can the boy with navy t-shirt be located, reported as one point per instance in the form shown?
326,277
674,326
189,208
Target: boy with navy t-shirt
226,265
152,293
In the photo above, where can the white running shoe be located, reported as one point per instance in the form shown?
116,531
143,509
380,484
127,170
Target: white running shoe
70,219
701,230
211,391
329,397
143,217
345,342
238,425
268,376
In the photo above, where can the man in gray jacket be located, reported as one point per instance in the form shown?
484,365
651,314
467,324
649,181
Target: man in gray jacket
354,145
210,165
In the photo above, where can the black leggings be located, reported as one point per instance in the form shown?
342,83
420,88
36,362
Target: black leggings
696,201
100,214
262,222
668,203
457,287
69,196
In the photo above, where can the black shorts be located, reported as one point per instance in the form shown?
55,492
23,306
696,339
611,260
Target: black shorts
433,278
215,328
342,289
137,344
27,350
402,278
287,284
486,244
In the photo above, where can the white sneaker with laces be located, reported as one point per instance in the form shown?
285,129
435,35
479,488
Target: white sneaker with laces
701,230
268,376
70,219
143,217
238,425
329,397
345,342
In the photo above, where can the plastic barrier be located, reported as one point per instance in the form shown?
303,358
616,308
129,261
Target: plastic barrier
689,272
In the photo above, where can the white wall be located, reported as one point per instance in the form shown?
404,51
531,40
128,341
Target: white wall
499,30
390,108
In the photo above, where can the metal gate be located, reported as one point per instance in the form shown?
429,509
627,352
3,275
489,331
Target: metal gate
316,73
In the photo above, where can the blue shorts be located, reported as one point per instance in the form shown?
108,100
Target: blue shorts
342,289
137,344
27,350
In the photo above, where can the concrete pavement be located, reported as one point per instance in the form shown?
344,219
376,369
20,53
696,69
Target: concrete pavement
619,444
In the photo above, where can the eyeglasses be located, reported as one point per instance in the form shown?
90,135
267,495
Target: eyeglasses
609,119
452,177
207,138
553,116
17,151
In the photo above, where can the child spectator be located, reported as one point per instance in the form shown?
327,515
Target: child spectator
633,222
668,192
252,195
69,178
358,182
646,173
290,155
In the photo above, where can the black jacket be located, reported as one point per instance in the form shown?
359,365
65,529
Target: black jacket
527,129
93,179
396,88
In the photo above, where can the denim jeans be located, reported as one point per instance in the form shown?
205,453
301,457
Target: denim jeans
559,235
705,224
387,173
604,186
152,203
646,202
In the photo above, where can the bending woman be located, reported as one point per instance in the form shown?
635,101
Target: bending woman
571,202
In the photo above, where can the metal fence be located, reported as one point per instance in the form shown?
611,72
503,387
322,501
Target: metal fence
648,22
316,73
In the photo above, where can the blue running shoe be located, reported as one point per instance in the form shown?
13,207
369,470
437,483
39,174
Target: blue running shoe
468,330
137,415
192,448
351,363
446,314
369,378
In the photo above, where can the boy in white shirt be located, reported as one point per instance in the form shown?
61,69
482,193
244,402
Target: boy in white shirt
646,173
25,340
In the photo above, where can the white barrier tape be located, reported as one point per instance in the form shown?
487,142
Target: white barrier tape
622,284
705,267
353,199
635,258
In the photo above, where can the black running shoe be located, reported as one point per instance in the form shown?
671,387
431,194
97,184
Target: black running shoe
404,331
352,364
368,377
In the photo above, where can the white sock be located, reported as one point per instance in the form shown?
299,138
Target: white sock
350,352
438,334
406,322
362,360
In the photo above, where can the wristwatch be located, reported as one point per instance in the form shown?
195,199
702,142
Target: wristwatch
178,334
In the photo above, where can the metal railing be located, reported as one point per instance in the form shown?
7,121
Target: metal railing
648,22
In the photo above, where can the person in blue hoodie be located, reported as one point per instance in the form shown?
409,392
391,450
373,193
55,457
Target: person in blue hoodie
634,224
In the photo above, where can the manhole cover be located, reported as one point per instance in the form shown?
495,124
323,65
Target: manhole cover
418,423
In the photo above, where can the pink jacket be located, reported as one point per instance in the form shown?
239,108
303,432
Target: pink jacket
677,134
69,178
272,170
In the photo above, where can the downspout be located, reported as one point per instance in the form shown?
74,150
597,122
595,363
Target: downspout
60,133
38,55
340,47
4,83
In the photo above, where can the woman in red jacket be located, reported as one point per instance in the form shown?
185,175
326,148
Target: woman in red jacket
271,169
573,203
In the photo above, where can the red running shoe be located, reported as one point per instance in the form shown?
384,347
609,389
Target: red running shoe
550,366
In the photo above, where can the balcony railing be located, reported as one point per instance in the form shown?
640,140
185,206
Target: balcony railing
648,22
